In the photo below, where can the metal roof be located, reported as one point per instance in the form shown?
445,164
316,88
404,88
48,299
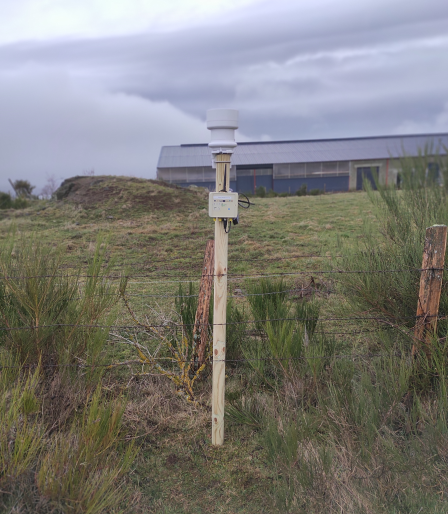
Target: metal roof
323,150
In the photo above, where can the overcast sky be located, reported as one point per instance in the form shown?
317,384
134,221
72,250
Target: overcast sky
103,84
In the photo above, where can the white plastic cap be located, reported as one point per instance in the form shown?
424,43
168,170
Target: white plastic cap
222,123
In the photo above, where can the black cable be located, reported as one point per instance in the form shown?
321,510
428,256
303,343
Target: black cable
225,180
229,223
242,203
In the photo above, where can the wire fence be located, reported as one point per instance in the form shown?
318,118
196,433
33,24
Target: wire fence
239,294
234,276
309,289
173,360
199,262
383,323
229,323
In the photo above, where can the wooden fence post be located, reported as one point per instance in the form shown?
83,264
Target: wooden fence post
220,307
222,124
200,330
430,287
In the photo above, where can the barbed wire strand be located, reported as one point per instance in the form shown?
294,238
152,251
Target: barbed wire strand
210,361
236,276
297,290
245,322
200,262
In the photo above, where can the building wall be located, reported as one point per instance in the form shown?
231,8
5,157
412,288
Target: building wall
191,175
211,185
249,178
289,177
191,164
328,184
387,171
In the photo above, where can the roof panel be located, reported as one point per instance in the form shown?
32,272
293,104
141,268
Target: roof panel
305,151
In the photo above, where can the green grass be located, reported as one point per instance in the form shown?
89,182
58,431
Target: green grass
278,226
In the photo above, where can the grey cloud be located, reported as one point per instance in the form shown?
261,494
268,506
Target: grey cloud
56,128
294,69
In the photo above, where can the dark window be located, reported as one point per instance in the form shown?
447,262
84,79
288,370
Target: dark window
364,173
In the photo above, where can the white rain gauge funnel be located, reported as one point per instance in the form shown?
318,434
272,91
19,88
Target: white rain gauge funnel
222,124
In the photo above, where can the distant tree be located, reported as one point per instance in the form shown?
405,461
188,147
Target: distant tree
22,188
50,187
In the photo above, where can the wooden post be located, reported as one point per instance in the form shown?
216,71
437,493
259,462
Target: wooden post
200,330
220,307
430,287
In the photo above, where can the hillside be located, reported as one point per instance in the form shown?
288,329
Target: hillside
147,220
125,194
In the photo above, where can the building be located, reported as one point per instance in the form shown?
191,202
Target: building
284,166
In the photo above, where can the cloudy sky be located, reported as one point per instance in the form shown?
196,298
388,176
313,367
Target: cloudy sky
102,84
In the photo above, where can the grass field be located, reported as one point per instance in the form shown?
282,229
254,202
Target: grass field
177,226
157,235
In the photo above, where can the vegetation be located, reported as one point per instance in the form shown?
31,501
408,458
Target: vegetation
260,191
23,188
395,242
6,202
59,433
172,352
323,413
61,315
302,190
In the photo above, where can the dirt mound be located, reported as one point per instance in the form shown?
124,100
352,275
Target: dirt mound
126,193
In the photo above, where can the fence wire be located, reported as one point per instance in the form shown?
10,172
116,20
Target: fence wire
209,361
231,259
236,276
245,322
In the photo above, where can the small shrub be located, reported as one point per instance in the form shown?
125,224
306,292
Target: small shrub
272,194
21,433
283,195
266,305
245,410
20,203
78,467
186,304
55,313
5,201
82,471
315,192
286,340
302,190
260,191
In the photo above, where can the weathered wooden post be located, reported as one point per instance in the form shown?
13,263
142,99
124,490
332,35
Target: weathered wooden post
200,330
222,123
430,287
